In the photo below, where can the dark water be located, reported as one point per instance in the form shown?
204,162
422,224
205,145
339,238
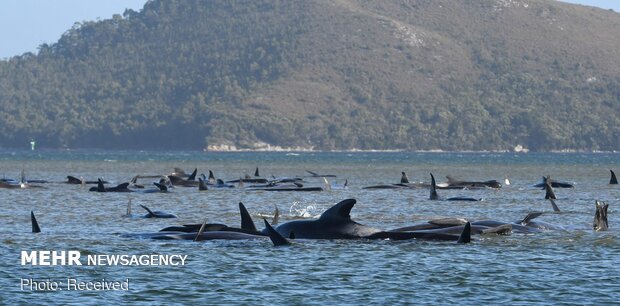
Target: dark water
575,266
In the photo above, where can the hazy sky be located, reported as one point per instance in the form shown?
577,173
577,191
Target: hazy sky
25,24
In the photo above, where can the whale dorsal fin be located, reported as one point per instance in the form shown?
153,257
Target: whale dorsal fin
148,210
100,186
256,172
433,195
35,224
346,182
613,180
275,237
403,178
465,236
202,185
192,176
220,182
342,210
211,179
161,187
276,216
246,219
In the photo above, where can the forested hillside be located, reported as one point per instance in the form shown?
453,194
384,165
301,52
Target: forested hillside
342,74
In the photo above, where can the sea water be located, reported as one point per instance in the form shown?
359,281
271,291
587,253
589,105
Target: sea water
574,266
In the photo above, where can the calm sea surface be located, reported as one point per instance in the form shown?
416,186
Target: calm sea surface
576,266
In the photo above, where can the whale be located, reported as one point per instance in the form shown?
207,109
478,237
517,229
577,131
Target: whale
8,185
403,184
274,186
452,182
385,186
134,182
247,225
177,171
314,174
434,196
77,181
31,181
209,231
124,187
12,184
452,225
157,214
554,184
252,180
476,229
219,183
204,236
189,182
613,180
336,223
161,188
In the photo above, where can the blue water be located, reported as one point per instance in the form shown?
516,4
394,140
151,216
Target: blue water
576,266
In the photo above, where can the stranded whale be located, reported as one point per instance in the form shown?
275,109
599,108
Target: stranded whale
435,196
336,223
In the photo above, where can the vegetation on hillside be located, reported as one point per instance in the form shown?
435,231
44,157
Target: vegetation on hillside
451,75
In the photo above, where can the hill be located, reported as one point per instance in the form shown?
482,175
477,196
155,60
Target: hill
342,74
